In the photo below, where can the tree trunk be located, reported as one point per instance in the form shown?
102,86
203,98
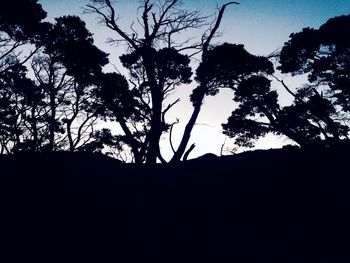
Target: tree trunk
197,107
157,99
154,135
188,129
52,121
70,137
131,141
35,129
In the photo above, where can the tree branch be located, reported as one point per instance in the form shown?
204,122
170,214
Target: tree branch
171,134
286,87
188,152
111,22
217,24
168,108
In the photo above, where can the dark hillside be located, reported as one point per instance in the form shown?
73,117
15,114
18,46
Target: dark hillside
285,205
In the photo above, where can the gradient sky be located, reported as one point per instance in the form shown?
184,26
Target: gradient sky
261,25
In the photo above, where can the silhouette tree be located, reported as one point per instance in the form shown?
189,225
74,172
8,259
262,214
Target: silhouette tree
20,22
66,69
231,66
18,28
157,63
57,110
116,102
324,56
15,92
318,113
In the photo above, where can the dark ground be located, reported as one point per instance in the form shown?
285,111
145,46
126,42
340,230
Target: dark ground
280,206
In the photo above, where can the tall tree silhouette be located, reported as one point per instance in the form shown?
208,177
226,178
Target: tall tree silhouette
157,63
17,92
319,112
66,69
56,110
258,111
116,102
324,56
20,24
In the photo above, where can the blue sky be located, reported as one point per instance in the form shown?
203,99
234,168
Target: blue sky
261,25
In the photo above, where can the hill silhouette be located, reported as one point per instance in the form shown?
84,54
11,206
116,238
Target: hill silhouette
283,205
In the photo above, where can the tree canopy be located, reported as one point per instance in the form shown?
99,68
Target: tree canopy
55,93
319,112
65,66
157,62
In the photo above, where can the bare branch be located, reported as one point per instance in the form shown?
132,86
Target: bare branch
146,10
187,153
157,24
110,21
222,147
171,134
15,45
21,62
217,24
285,86
168,108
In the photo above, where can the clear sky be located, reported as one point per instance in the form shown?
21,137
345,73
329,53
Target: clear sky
261,25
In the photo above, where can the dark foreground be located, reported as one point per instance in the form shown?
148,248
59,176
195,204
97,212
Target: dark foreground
265,206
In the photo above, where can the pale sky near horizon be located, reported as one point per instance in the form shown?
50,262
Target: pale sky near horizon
261,25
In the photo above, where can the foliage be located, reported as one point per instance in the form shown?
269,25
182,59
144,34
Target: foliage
53,91
158,62
20,19
318,113
323,54
55,110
